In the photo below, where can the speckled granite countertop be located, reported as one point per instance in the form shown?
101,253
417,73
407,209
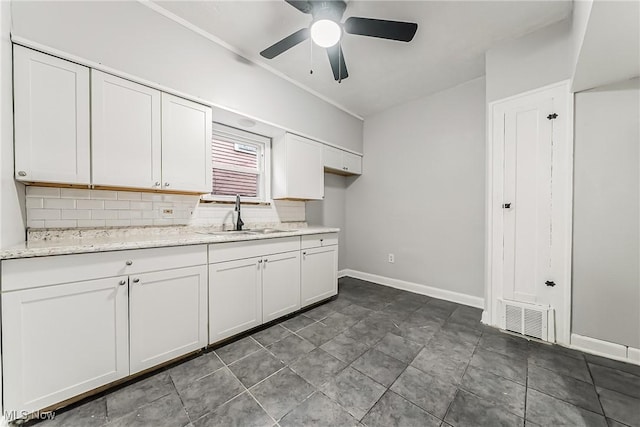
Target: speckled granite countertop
108,240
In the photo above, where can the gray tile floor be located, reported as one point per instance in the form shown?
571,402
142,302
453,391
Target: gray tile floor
376,356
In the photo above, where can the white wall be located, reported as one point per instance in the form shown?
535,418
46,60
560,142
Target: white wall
331,211
12,222
610,49
529,62
606,232
422,193
132,38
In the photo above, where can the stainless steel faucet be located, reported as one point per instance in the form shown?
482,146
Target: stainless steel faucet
239,222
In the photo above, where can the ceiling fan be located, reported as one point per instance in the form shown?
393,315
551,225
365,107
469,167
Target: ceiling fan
326,31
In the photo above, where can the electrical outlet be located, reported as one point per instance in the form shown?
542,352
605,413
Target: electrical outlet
392,258
167,213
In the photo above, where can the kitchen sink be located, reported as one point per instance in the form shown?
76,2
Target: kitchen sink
226,232
245,232
268,230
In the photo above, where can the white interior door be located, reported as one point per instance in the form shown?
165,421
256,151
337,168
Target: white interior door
530,203
527,198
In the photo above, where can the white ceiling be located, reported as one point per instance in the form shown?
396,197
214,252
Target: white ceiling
448,48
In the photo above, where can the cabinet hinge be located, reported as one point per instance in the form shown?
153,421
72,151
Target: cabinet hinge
552,116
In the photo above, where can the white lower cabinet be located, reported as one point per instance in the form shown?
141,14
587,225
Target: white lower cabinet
319,274
235,297
61,341
167,315
248,292
251,283
280,285
73,323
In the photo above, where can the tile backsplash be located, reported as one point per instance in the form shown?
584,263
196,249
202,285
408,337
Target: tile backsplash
50,207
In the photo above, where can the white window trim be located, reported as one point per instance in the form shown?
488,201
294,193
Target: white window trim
242,136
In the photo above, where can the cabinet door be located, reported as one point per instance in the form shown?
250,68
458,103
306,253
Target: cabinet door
352,163
186,145
235,297
61,341
305,174
319,274
51,102
332,158
280,285
298,171
125,125
168,315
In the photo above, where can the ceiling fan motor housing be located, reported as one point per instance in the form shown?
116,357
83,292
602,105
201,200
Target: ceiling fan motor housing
331,10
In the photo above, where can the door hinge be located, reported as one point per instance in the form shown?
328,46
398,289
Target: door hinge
552,116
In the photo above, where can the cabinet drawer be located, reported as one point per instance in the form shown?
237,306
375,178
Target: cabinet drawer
35,272
221,252
319,240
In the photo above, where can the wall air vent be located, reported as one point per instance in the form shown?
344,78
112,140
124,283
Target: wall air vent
528,319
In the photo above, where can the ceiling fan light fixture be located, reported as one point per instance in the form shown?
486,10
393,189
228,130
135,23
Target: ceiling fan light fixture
325,32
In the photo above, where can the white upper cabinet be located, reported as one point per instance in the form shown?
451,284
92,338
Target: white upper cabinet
297,168
126,129
340,161
352,163
186,145
51,103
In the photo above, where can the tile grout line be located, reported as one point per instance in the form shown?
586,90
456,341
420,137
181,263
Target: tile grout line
595,389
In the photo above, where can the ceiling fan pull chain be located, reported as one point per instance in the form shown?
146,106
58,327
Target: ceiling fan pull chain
310,56
339,61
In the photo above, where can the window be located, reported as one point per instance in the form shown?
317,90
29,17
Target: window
240,164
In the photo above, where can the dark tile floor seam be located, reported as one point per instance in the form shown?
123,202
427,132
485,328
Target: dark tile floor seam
246,390
444,417
263,347
110,419
526,388
593,381
275,422
184,408
510,379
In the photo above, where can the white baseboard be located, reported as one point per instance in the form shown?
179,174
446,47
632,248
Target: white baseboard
605,349
416,288
486,318
4,422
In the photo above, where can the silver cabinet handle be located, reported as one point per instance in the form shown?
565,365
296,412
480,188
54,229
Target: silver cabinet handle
259,261
166,184
129,262
22,173
266,260
136,280
157,184
122,282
